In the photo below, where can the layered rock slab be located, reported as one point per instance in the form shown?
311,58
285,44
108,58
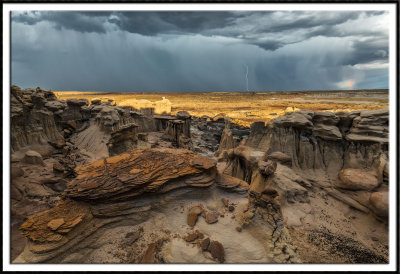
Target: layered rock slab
141,171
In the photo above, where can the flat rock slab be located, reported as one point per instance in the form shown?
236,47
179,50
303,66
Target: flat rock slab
141,171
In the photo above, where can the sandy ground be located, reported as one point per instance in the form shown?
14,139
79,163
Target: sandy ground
169,220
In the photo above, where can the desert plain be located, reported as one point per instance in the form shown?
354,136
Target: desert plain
244,108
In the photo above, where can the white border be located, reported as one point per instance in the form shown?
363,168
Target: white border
200,267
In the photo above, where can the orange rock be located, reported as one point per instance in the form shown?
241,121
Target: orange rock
56,223
149,256
140,171
49,225
194,212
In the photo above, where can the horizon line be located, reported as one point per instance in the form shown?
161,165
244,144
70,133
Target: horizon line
238,91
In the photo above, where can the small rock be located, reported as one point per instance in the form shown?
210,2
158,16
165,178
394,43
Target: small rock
33,157
149,256
217,251
231,208
211,217
194,212
67,131
374,239
238,229
225,202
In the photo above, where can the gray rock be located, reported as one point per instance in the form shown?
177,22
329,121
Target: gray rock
295,120
33,157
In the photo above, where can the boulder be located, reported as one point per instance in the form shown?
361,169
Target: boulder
327,132
294,119
77,102
183,115
33,157
55,106
57,144
380,203
356,179
326,118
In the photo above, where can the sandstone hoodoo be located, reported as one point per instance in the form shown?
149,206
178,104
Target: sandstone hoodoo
94,181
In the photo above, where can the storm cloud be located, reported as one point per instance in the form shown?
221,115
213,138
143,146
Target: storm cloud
199,51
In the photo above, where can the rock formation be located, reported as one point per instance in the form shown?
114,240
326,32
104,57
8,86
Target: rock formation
32,122
341,155
119,190
227,140
308,187
325,140
178,130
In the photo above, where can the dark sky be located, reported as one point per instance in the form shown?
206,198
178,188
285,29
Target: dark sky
200,51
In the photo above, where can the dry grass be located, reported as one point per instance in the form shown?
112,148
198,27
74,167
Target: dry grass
245,108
